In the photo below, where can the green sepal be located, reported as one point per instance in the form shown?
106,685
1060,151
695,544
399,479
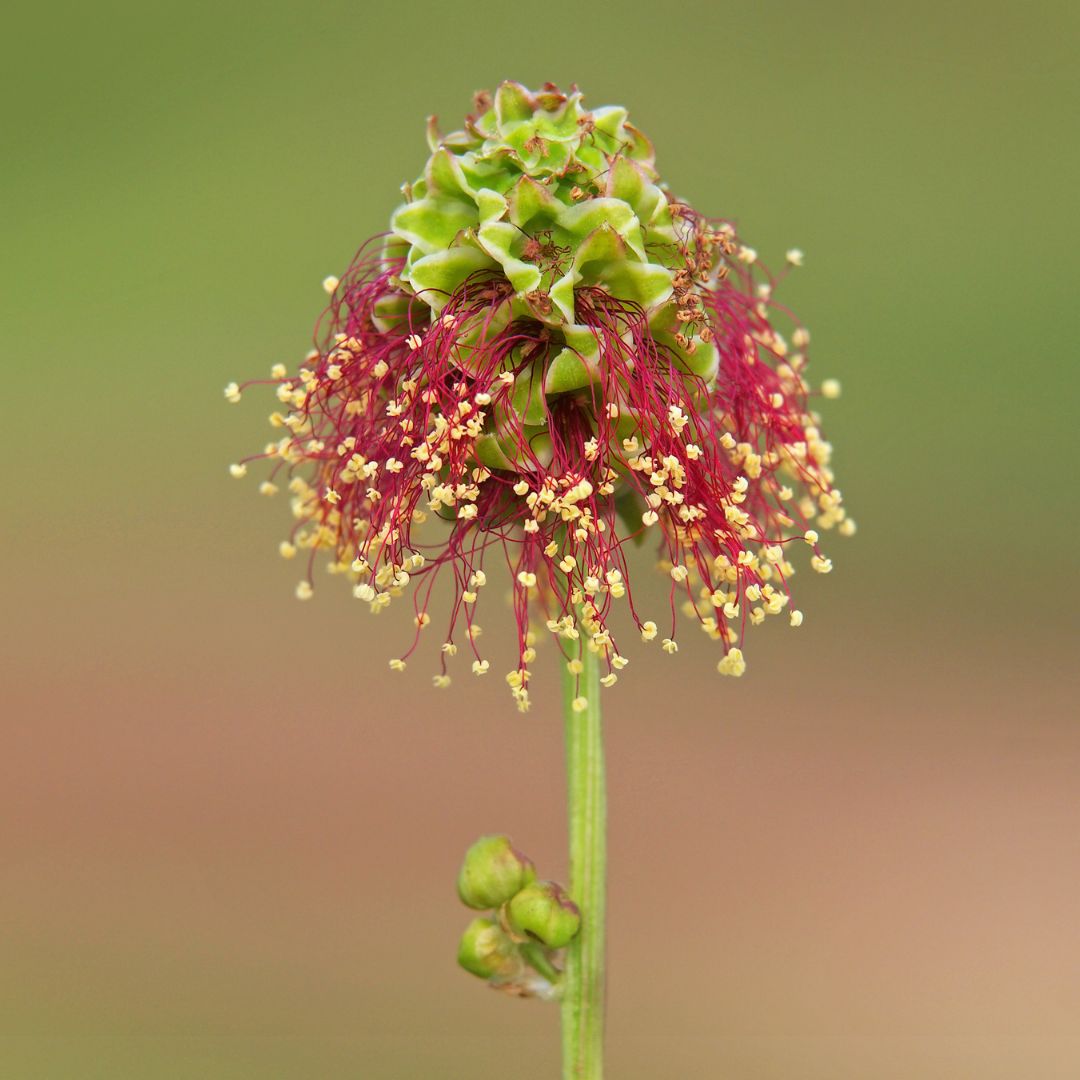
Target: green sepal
434,277
528,399
503,242
566,371
432,224
489,453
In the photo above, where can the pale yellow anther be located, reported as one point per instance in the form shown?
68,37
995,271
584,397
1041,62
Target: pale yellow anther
733,664
575,666
286,550
650,517
821,564
679,573
449,648
579,704
670,645
422,620
480,667
566,565
727,441
364,591
648,630
551,549
238,471
478,579
619,662
794,257
831,388
613,411
469,597
380,368
304,591
609,680
330,284
397,665
441,681
232,393
521,487
800,338
847,527
267,488
796,618
526,578
507,378
747,255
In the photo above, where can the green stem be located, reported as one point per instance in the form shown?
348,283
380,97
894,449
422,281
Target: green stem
537,959
583,979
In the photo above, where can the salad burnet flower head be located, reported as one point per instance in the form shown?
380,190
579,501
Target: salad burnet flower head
548,359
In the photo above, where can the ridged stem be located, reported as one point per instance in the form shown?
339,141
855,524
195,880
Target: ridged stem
583,980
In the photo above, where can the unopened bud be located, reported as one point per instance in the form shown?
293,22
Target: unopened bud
487,951
543,911
492,873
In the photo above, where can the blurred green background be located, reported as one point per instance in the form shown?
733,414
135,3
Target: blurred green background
229,833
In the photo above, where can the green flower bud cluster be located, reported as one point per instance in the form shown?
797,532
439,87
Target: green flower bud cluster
513,947
552,198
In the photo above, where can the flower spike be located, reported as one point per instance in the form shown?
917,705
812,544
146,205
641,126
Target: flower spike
548,359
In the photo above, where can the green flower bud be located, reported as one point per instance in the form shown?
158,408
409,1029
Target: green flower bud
487,951
492,873
543,911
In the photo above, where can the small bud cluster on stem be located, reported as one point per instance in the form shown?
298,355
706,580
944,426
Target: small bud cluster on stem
516,947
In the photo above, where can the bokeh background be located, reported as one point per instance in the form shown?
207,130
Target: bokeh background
229,833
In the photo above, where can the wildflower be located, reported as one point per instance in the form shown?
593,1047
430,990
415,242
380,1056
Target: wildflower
547,356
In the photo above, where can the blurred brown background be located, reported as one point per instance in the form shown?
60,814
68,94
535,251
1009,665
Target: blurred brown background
229,834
